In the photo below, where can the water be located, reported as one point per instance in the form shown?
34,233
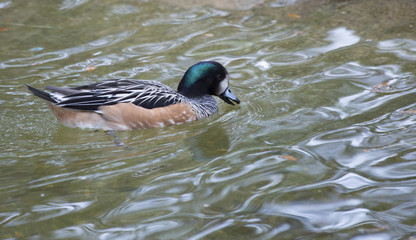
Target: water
322,145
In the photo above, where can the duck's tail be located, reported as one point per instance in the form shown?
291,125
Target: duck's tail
42,94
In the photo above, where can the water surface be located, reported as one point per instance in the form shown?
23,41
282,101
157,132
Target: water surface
322,145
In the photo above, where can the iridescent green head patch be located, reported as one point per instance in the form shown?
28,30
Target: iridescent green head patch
198,71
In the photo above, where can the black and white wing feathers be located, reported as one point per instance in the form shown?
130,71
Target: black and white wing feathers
147,94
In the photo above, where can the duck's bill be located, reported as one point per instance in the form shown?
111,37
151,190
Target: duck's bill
228,97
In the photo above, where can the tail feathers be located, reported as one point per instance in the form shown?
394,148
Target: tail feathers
63,91
42,94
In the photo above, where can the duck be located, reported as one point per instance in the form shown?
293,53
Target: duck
127,104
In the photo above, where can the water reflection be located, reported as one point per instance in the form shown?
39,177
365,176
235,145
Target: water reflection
321,147
402,48
70,4
339,37
125,9
231,5
213,142
321,217
47,57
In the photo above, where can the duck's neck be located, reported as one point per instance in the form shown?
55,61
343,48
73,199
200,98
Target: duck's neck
204,105
194,93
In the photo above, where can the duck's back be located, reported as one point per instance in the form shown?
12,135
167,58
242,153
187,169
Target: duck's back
146,94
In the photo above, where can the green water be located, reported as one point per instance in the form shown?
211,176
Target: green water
322,145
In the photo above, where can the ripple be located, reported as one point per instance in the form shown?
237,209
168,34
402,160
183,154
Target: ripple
8,216
155,207
321,146
348,146
283,3
252,23
321,217
402,48
350,182
286,59
71,4
271,42
368,75
191,15
338,38
128,73
218,45
143,231
43,58
370,236
45,212
400,170
267,91
74,232
263,65
298,120
123,9
212,229
351,69
150,48
389,193
353,181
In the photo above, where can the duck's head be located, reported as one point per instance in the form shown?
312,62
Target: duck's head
207,77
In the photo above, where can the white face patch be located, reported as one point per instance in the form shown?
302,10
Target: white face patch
223,85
